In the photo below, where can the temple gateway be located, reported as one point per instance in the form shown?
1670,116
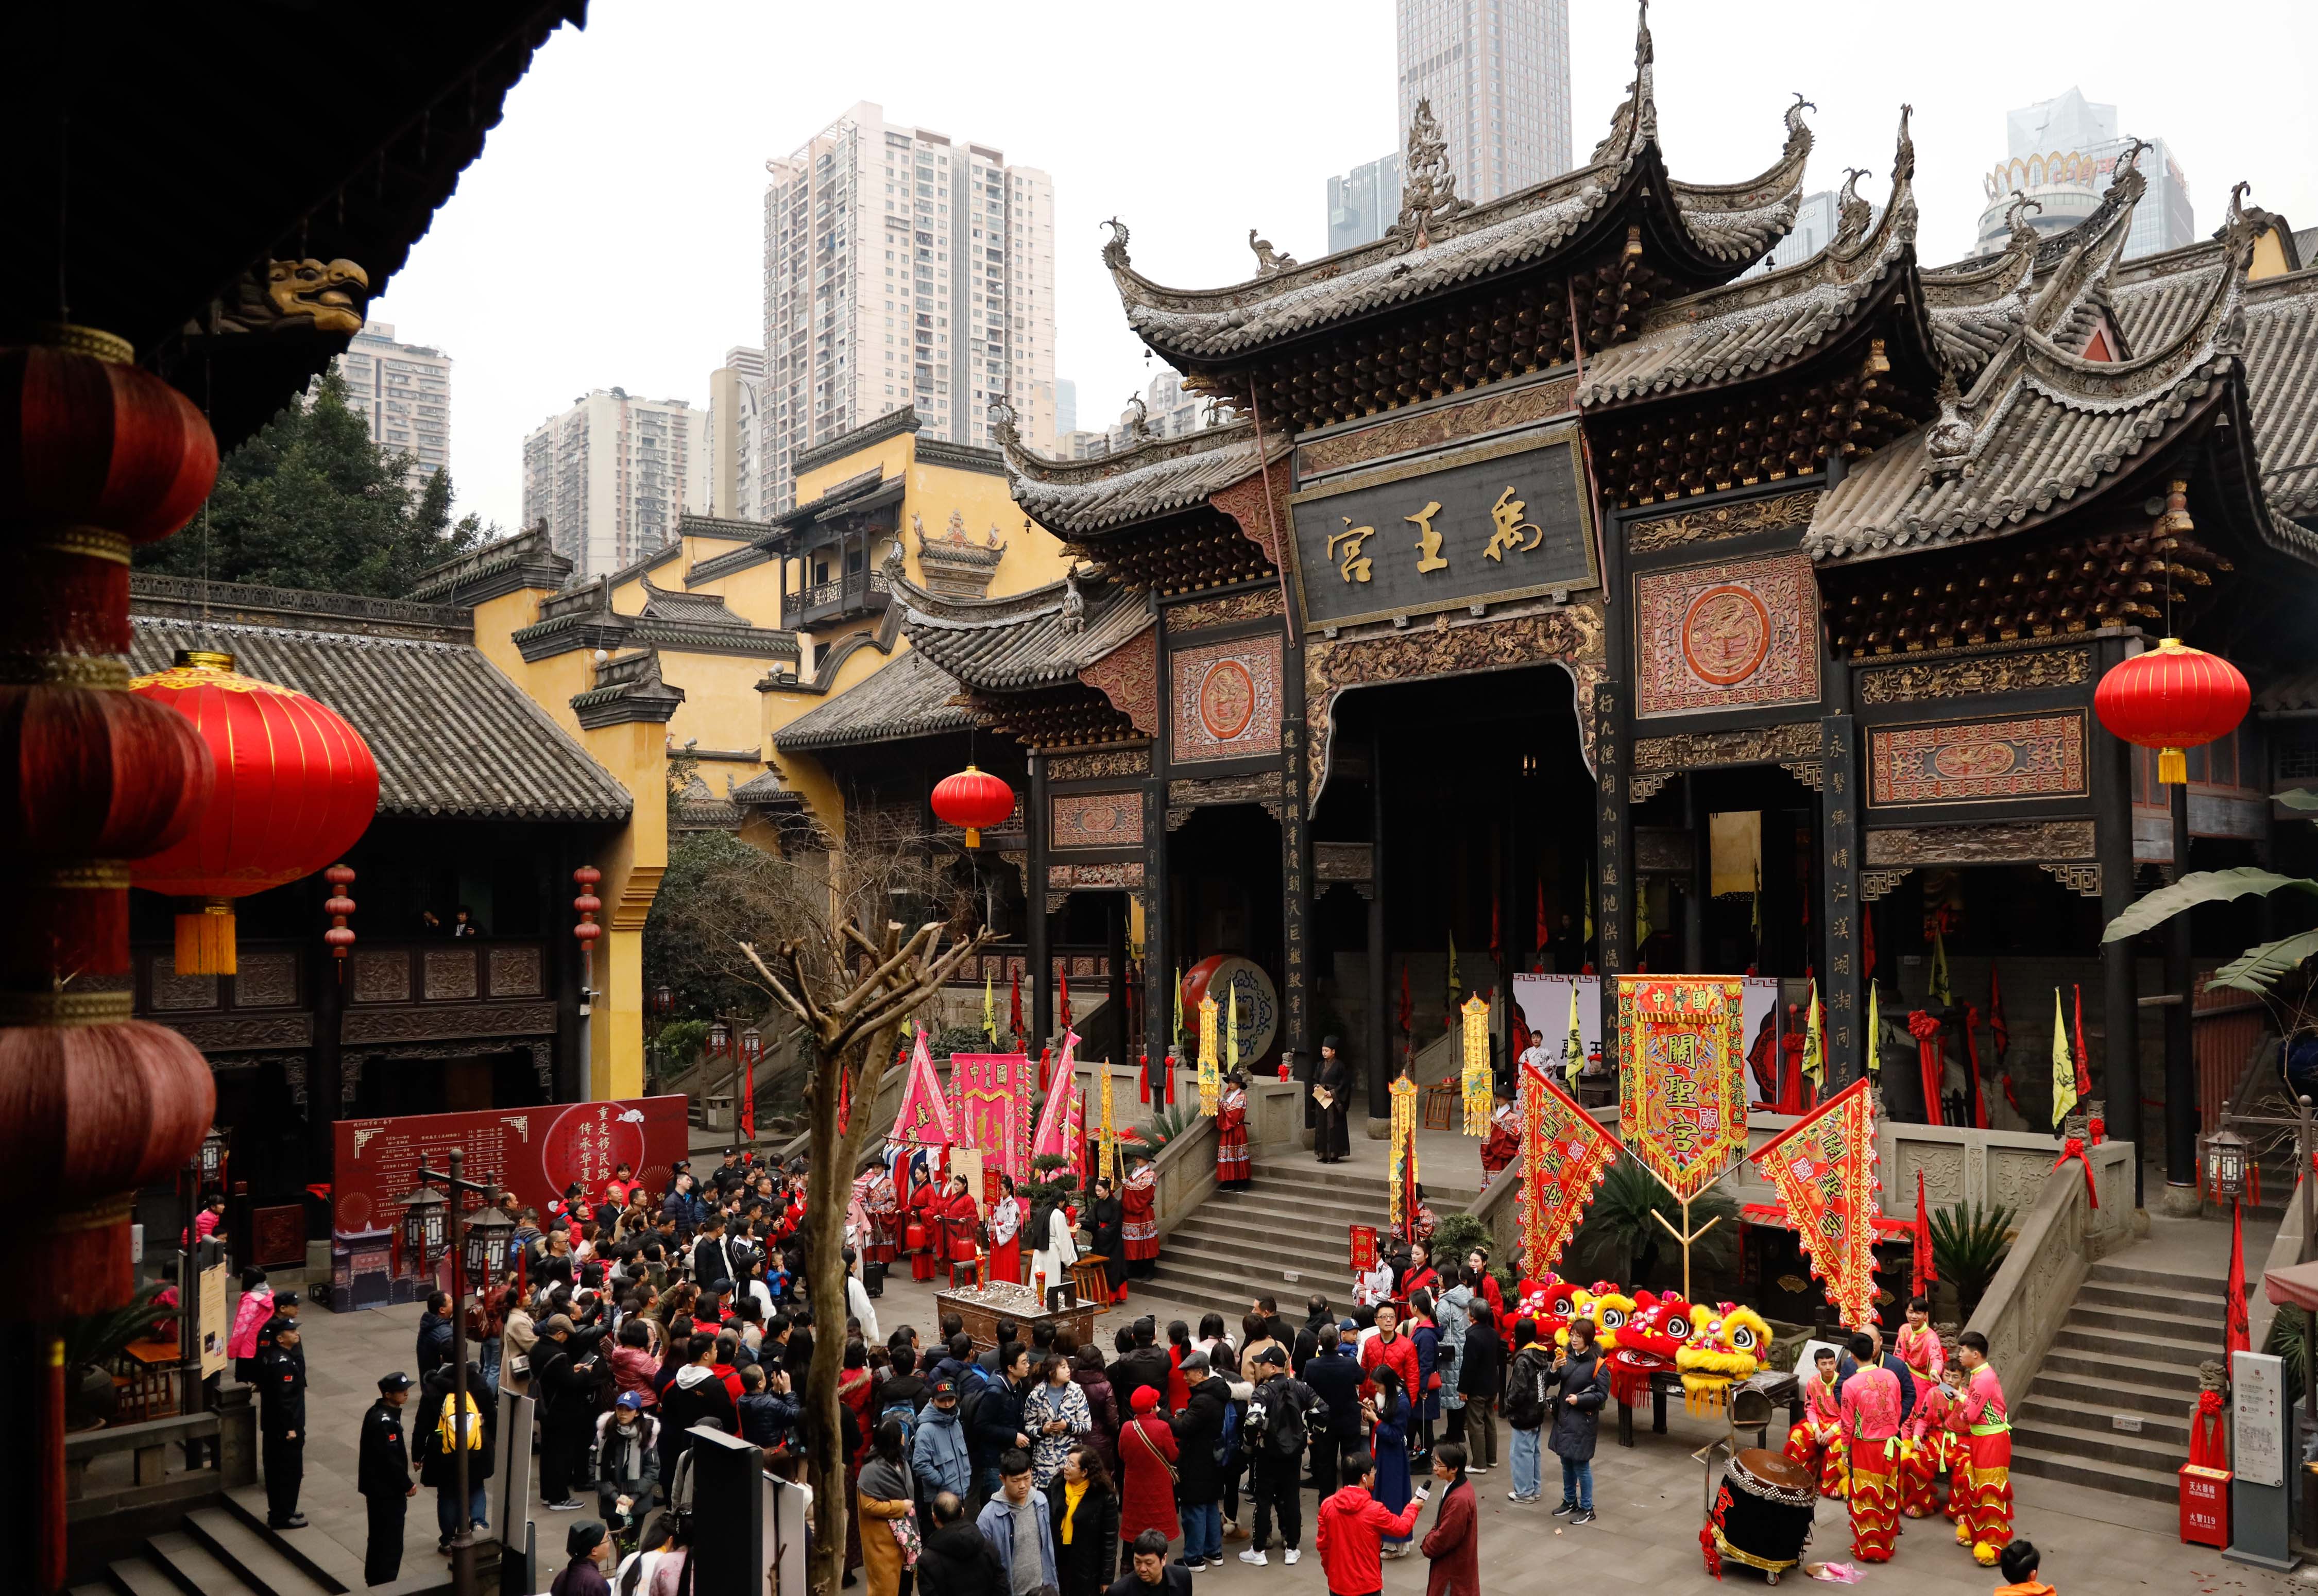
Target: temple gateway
1559,598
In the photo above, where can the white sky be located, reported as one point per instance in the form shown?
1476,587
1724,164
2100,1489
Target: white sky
611,233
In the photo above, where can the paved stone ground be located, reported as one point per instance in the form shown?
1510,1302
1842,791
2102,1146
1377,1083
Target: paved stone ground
1650,1498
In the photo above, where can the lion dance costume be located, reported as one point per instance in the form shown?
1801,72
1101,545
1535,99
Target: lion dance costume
1817,1443
1870,1430
1986,1523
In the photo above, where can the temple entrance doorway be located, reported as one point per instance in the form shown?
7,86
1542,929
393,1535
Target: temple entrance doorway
1223,897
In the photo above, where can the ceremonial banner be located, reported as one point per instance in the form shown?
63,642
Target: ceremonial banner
989,1108
1545,1002
1054,1119
1564,1153
1682,1047
924,1120
1823,1168
1365,1248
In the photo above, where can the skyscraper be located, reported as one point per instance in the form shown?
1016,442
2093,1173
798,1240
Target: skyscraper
611,475
736,391
403,391
1497,73
1363,202
902,267
2062,154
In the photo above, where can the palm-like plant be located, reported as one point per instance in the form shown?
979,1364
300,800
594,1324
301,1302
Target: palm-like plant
1166,1125
1621,1238
95,1340
1969,1241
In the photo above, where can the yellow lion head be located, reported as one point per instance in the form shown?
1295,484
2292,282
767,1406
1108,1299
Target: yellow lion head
1726,1347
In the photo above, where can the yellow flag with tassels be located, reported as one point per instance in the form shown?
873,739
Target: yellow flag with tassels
1231,1033
2064,1067
1573,1046
1589,907
1874,1033
1941,992
1403,1176
990,1010
1480,1098
1815,1044
1210,1076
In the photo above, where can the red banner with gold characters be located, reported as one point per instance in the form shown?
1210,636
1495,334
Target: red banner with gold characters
1823,1168
1365,1248
1682,1088
990,1098
1564,1153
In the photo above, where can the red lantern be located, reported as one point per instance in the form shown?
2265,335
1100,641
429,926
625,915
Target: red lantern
974,799
586,906
296,786
2171,699
339,939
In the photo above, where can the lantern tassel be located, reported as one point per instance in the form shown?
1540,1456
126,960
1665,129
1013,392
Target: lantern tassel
973,837
205,936
2172,767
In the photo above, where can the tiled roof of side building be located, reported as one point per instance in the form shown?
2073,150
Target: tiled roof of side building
908,697
1037,639
1154,478
453,737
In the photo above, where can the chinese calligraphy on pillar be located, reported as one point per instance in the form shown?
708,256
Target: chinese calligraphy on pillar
1839,869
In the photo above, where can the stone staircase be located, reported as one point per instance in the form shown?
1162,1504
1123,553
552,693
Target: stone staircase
227,1550
2128,1350
1287,1236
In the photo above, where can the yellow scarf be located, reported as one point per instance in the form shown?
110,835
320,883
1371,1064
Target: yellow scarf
1071,1496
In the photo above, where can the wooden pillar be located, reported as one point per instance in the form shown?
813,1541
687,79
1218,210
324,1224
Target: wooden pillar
1841,906
1615,881
2180,1060
1295,874
1038,931
1702,877
1378,1063
1158,957
2112,773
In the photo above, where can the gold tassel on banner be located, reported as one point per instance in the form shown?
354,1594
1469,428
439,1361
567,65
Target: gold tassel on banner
1109,1167
1403,1147
1211,1085
1231,1033
1480,1098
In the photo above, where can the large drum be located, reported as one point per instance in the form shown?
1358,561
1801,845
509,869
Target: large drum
1227,976
1762,1515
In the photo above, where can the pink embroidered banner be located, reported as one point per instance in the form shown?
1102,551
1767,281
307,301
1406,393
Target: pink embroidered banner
990,1096
924,1120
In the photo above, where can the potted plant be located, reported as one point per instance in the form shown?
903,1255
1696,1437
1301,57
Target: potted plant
94,1340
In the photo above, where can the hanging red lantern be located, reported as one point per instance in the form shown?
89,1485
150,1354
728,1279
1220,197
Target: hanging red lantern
974,799
339,939
296,786
2171,699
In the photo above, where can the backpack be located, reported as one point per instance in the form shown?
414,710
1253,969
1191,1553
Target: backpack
908,1414
1227,1440
969,1402
445,1427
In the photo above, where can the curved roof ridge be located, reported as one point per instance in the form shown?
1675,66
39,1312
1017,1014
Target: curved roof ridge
1024,461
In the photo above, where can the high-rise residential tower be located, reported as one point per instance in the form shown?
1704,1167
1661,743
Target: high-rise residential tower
1497,73
2062,154
403,391
736,391
902,267
1363,202
611,475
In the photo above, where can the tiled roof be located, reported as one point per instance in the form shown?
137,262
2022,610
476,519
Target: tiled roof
1028,639
2291,696
704,609
1731,224
1151,478
2281,357
908,697
453,737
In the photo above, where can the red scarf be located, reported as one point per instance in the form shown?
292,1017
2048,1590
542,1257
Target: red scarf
1925,1030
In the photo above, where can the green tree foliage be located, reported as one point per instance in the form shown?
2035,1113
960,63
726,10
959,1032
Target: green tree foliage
1969,1242
1620,1239
311,502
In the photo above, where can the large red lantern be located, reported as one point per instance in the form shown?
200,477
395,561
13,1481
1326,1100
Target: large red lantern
296,786
2171,699
974,799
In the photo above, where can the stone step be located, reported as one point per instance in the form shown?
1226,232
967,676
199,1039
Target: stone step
2044,1411
2125,1344
2094,1392
1213,1230
192,1568
325,1560
2100,1443
2120,1478
2109,1272
2144,1372
1306,1174
2142,1322
139,1576
253,1555
2184,1306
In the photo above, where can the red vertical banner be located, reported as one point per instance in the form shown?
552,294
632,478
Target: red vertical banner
1565,1154
1682,1053
1365,1248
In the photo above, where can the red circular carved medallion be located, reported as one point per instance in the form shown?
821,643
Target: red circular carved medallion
1981,760
1725,634
1227,699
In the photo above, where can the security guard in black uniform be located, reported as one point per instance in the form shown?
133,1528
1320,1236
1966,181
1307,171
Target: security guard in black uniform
382,1475
282,1426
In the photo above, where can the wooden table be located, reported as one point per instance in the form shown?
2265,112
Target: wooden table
1090,1277
1776,1386
146,1375
980,1308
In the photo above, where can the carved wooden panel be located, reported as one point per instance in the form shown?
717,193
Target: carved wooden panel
1255,604
1971,761
243,1034
1432,428
1128,677
1726,636
514,971
1122,873
266,980
1977,677
419,1025
1109,762
1224,700
450,974
1096,820
1996,842
1724,521
172,990
382,977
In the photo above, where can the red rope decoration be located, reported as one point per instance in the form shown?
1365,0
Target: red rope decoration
1925,1030
2074,1147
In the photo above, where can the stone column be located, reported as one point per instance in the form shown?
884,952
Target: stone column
1038,932
2180,1059
2120,1078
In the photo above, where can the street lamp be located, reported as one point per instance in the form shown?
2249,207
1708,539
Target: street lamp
663,1000
422,1225
489,1232
752,1046
2225,1164
720,1038
424,1214
212,1157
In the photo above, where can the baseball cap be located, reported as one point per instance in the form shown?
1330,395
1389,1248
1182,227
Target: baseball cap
631,1399
945,1388
396,1381
1273,1355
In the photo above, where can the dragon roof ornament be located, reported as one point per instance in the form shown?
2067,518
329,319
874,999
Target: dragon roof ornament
1428,189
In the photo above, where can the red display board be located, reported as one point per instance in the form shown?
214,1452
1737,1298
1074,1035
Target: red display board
1365,1248
533,1152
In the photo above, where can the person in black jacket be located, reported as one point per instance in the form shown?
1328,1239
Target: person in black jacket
1148,1572
1334,1376
382,1475
1199,1473
1085,1534
958,1561
713,1258
994,1422
1276,1455
435,1334
1577,1414
1480,1367
1145,1364
1307,1340
697,1393
439,1469
565,1386
1330,1137
282,1426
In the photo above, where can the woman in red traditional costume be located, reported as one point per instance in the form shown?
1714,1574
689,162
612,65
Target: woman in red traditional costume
1986,1526
1504,1143
1870,1408
1140,1197
1817,1443
959,1217
1006,1234
1231,1134
927,1204
873,1190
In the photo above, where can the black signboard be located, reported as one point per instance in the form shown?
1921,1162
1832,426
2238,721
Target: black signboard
1502,520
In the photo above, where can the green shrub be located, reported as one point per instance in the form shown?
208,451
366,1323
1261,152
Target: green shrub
1969,1242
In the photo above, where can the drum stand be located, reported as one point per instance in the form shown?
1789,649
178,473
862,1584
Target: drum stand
1749,1407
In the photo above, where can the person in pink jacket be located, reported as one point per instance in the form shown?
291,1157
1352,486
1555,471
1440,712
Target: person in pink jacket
256,1305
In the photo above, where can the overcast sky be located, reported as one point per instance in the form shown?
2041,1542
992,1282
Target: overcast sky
611,233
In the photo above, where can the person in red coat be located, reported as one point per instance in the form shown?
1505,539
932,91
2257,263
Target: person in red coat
959,1216
1353,1525
1006,1234
1505,1139
1146,1460
1140,1198
926,1205
1454,1544
1388,1345
1232,1169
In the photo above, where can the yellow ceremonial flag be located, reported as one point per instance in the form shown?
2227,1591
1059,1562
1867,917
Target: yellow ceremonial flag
1477,1080
1231,1034
1177,1032
1589,908
1573,1046
2065,1069
988,1010
1815,1044
1210,1076
1941,992
1109,1167
1874,1033
1642,916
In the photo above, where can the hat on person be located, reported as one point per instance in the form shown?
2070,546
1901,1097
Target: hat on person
631,1399
396,1381
721,1288
284,1299
584,1537
1332,1044
1193,1363
1351,1326
557,1325
944,1388
1144,1399
1273,1355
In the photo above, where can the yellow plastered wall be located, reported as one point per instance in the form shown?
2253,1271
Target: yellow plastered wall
2269,257
636,754
720,708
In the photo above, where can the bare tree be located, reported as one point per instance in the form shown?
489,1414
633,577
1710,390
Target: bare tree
851,992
